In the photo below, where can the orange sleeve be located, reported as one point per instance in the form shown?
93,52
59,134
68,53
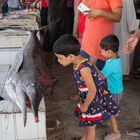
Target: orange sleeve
115,4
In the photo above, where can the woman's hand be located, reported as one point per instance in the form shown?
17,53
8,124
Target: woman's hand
93,13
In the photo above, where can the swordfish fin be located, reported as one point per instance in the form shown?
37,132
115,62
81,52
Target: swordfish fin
17,95
21,102
17,64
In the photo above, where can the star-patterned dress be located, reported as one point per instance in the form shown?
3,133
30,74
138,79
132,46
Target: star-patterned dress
103,106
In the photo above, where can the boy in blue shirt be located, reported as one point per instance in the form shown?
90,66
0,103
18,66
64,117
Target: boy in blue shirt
112,71
113,67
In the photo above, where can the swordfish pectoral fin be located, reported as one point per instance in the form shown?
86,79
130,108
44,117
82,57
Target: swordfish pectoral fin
21,102
18,97
17,63
11,91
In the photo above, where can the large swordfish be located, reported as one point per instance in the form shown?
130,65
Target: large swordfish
28,76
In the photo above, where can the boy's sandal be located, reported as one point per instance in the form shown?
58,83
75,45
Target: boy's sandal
113,136
133,132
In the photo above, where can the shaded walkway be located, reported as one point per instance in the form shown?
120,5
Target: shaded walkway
63,125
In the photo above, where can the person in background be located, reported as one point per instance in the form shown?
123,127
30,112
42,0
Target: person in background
129,48
56,25
79,25
43,11
131,42
99,23
123,30
69,16
113,73
3,7
79,21
76,17
44,22
13,5
135,68
96,104
27,4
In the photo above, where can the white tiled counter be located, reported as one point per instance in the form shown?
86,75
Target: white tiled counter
7,56
10,42
11,120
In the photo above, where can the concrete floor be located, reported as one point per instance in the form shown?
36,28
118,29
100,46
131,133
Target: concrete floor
63,125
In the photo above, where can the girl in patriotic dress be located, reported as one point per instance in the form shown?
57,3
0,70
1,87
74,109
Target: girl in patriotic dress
96,104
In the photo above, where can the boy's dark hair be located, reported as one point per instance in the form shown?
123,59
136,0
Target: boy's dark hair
110,42
67,44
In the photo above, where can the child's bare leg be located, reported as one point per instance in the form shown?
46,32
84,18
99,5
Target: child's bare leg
116,133
90,133
84,134
114,125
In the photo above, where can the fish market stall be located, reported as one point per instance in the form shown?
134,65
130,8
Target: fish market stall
11,119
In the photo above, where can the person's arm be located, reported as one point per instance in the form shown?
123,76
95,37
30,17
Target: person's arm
3,3
114,16
132,42
130,16
47,1
76,17
132,24
34,3
21,2
137,33
87,77
106,71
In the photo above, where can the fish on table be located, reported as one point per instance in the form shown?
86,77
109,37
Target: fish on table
29,77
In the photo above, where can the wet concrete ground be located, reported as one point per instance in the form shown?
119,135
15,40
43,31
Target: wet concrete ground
63,125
